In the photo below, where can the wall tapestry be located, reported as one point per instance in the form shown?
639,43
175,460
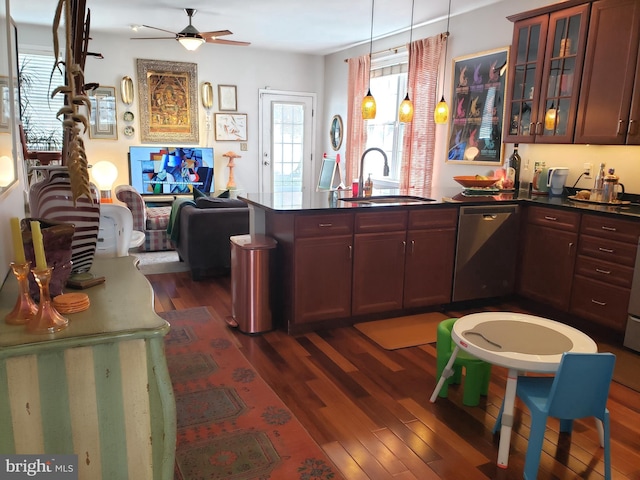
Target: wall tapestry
168,94
477,108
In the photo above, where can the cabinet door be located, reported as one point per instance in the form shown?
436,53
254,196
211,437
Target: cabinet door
322,278
609,73
564,57
428,272
525,76
378,272
546,271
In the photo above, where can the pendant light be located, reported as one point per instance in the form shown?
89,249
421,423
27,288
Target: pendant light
441,113
550,118
405,114
368,102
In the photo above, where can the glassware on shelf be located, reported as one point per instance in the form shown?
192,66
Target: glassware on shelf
25,308
47,319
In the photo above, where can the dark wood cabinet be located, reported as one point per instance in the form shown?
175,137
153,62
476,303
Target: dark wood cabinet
546,59
378,261
604,270
548,255
429,260
610,80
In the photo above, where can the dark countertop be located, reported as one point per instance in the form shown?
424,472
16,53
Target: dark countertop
326,201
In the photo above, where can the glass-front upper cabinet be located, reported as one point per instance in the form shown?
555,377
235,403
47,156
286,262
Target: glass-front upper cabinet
544,76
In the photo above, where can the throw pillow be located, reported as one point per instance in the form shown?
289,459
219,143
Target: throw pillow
198,193
212,202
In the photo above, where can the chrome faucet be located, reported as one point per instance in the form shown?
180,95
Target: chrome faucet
385,170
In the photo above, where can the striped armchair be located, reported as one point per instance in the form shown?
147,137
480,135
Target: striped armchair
152,221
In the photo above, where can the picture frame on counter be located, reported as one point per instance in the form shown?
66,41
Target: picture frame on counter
478,108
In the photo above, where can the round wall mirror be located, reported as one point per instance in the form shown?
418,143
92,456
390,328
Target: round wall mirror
335,132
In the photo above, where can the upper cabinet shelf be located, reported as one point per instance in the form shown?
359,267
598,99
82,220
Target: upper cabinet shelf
573,73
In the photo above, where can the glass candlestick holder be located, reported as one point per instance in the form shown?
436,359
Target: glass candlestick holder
25,308
47,319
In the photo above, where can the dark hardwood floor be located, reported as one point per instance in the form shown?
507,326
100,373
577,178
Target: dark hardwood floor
369,408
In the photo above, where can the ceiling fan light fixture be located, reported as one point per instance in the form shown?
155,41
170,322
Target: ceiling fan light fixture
190,42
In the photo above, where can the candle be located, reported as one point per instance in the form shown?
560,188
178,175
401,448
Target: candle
38,245
18,247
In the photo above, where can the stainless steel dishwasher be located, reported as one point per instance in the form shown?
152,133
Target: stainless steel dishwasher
486,252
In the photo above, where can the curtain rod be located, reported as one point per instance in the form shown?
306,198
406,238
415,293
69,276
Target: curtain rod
392,50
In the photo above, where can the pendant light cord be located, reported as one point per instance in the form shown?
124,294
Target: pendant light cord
373,2
446,44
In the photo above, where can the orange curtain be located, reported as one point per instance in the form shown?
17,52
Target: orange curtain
416,170
358,83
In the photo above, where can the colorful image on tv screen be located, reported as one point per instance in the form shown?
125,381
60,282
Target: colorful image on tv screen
170,170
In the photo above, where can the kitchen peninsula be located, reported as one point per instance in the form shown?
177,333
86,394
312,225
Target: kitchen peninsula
340,261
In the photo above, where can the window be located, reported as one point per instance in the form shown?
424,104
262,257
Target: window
37,109
388,86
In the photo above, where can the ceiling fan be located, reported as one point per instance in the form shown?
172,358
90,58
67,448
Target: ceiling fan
190,38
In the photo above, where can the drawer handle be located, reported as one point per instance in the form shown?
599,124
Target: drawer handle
602,304
325,225
609,229
606,272
553,219
605,250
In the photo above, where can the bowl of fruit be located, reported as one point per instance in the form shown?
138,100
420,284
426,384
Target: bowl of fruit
475,181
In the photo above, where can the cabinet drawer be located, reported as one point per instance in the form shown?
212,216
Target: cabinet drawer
381,221
609,250
600,302
433,218
612,273
612,228
554,218
323,225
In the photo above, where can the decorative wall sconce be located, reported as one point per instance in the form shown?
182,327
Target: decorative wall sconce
207,95
126,90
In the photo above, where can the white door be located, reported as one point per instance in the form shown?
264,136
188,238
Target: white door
286,142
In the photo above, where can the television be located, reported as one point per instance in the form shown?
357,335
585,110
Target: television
162,171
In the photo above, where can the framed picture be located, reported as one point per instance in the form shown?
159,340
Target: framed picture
5,105
168,101
227,101
103,119
231,126
477,108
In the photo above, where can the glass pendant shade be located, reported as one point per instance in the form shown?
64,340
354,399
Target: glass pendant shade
368,107
191,43
441,113
405,114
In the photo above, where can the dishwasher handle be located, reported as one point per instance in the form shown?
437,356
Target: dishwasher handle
491,210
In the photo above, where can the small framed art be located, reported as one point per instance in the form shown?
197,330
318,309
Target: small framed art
227,98
231,127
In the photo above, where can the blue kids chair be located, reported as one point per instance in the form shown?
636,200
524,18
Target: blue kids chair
477,372
579,389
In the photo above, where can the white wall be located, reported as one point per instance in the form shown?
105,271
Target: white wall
471,33
247,68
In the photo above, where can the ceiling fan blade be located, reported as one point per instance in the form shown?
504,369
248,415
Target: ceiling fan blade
161,29
152,38
227,42
217,33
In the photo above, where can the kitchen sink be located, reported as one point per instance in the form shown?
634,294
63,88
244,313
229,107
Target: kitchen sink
389,199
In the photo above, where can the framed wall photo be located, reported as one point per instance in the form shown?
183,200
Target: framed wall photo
168,101
231,127
227,98
477,108
103,119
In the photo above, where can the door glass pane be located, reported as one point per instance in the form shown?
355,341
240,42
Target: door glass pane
533,43
288,139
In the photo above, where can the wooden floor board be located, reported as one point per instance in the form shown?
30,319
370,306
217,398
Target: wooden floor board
369,408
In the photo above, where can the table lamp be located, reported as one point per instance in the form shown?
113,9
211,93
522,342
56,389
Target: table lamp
6,171
104,173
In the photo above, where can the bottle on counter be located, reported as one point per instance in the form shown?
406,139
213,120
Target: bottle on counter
368,186
513,169
598,185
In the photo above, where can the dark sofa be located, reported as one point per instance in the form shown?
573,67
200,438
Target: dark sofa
203,234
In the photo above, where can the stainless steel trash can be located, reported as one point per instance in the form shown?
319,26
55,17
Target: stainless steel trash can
250,289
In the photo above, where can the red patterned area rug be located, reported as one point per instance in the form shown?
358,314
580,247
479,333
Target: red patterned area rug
231,425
